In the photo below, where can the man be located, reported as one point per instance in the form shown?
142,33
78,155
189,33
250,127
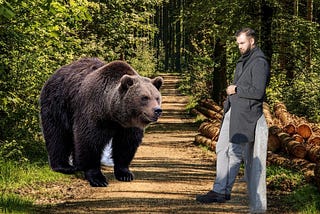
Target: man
244,132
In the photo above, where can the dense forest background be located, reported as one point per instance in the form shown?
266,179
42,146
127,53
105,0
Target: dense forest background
193,38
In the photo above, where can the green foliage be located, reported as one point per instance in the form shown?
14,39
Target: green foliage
197,80
11,203
6,10
12,151
295,81
144,61
15,176
281,179
302,197
37,37
305,200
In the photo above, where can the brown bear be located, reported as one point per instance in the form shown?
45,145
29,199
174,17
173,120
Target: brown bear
87,104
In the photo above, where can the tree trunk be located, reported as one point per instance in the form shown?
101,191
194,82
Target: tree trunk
219,80
165,36
308,42
266,30
178,37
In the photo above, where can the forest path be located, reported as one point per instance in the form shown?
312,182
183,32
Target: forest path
169,172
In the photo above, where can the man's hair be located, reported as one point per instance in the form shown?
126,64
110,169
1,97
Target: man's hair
248,32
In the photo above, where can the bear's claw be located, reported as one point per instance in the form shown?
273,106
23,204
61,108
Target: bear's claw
98,183
96,178
123,174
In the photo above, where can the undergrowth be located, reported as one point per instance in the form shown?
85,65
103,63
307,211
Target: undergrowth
14,176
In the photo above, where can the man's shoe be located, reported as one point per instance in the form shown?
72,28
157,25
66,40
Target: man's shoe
211,197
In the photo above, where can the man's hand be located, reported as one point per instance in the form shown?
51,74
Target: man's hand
231,89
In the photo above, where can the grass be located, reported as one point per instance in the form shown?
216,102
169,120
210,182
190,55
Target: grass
14,176
304,200
11,203
302,197
282,179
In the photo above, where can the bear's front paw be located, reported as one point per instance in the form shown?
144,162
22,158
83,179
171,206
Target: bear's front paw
123,174
96,178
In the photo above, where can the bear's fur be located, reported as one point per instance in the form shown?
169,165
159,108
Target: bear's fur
86,104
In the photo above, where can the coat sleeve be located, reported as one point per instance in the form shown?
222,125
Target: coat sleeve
259,77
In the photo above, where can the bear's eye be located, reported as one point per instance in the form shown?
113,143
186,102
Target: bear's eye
144,98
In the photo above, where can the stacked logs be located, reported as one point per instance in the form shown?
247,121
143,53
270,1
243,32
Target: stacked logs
293,141
209,129
294,135
297,138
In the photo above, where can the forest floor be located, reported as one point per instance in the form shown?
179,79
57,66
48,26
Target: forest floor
169,172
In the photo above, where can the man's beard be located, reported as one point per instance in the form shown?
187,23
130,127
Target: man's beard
246,51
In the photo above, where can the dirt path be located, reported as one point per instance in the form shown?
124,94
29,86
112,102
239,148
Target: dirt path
170,171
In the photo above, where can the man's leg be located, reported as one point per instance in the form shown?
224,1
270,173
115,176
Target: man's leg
235,153
222,157
257,169
218,192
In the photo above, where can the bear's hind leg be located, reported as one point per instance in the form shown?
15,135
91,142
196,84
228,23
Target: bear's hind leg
124,147
59,146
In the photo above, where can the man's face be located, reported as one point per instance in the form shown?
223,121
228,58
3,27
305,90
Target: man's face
245,44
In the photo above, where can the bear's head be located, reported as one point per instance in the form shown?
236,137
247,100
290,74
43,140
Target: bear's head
139,101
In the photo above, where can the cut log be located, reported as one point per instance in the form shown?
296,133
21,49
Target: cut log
298,138
290,129
315,128
279,160
273,143
281,112
210,104
202,140
274,130
209,113
291,146
313,154
285,138
209,130
296,163
267,114
296,149
314,140
304,130
303,164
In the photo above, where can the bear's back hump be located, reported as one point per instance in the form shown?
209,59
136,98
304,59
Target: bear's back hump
78,70
113,71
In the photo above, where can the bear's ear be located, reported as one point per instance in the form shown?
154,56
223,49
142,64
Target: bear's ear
126,81
157,82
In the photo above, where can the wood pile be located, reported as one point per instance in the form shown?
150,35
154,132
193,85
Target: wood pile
210,128
293,142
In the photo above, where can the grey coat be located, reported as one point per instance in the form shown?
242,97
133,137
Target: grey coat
251,78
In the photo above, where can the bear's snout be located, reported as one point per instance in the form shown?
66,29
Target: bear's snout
157,111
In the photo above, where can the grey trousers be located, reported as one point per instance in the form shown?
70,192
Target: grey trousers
230,156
